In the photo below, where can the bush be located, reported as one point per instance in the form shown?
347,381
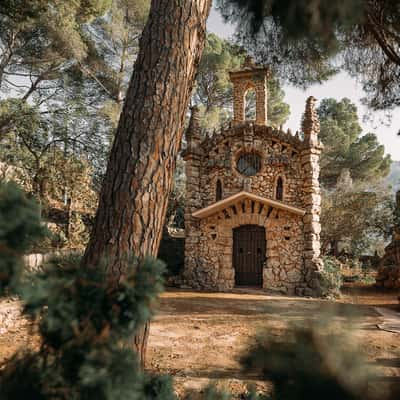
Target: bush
84,303
20,226
309,363
331,277
83,317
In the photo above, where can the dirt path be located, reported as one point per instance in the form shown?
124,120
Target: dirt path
199,337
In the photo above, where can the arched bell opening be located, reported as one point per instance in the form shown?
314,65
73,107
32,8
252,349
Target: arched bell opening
250,108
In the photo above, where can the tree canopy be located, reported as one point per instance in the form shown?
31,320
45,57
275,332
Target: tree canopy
307,42
64,70
346,148
356,218
357,205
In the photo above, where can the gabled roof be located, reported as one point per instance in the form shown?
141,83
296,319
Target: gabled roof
222,204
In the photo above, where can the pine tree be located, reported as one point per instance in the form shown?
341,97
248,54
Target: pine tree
307,42
138,181
346,148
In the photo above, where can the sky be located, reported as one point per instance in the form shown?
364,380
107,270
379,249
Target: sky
342,85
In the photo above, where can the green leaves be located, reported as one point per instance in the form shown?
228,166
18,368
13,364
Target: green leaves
296,17
214,89
89,9
17,115
307,41
331,277
352,214
355,219
83,316
279,34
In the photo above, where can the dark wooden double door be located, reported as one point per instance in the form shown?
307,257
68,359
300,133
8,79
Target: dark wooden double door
248,254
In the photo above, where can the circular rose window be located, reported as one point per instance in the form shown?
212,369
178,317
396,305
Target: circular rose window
249,164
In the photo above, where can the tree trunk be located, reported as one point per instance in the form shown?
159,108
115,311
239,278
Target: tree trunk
134,195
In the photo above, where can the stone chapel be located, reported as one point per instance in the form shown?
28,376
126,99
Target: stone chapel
252,209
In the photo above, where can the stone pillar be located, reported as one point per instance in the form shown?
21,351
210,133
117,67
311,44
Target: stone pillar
239,93
310,123
192,157
260,82
310,157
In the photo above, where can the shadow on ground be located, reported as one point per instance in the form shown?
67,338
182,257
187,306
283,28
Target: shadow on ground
199,337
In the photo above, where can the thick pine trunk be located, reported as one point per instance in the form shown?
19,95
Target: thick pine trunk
134,196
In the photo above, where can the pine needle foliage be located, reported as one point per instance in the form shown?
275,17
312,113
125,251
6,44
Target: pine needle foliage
84,319
84,304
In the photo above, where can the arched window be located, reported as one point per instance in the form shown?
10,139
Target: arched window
250,105
279,189
218,191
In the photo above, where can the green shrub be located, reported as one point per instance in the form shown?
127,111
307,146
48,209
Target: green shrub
331,277
83,303
20,226
308,363
83,317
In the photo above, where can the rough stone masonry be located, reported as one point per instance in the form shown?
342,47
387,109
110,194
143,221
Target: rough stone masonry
253,200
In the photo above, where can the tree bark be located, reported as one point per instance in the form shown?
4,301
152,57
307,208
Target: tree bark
138,180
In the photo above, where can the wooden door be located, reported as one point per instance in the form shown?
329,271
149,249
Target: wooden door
248,254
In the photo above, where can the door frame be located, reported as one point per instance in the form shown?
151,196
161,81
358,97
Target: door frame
256,248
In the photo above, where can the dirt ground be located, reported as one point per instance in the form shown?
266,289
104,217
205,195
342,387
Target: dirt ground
199,337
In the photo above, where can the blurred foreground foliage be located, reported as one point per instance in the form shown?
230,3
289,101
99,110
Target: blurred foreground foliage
84,318
309,363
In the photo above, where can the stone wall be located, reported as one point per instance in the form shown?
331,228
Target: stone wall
254,78
279,156
293,260
310,155
34,261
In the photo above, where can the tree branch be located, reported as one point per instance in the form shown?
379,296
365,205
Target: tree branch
378,34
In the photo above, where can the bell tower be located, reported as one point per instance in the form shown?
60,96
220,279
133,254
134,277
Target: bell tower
250,77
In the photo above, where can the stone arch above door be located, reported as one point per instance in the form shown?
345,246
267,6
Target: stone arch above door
283,238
